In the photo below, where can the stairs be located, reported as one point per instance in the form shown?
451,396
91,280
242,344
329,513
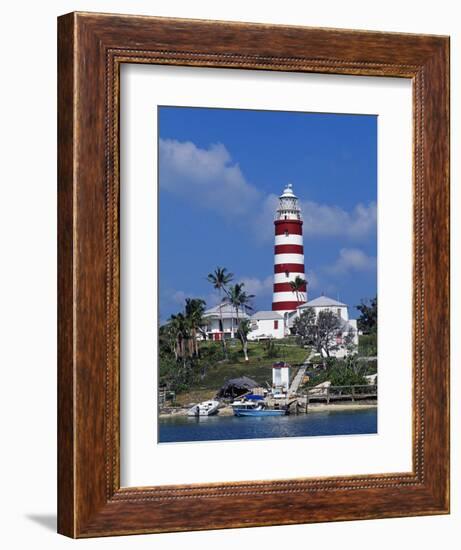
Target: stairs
295,383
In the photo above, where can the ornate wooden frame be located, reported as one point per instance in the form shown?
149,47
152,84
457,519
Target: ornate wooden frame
91,49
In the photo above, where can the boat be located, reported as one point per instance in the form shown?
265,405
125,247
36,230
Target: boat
206,408
253,397
260,412
255,408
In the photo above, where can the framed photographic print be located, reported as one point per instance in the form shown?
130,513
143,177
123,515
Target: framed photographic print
235,202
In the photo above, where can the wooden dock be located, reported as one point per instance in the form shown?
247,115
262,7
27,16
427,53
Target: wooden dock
334,394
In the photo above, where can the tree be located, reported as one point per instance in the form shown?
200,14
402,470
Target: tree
182,330
320,331
305,326
328,327
368,320
240,301
178,327
195,308
178,338
220,278
244,329
349,341
167,340
298,286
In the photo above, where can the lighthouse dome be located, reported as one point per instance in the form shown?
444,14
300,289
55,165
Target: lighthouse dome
288,192
288,208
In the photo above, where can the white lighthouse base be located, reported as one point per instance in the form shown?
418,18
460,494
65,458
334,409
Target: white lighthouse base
286,315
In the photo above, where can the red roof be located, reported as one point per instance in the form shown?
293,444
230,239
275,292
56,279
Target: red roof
281,365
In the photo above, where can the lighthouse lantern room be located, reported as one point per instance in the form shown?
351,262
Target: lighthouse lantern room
288,255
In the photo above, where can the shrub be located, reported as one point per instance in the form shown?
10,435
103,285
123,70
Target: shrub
347,372
271,350
368,345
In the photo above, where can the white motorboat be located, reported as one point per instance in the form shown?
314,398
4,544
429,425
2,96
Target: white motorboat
206,408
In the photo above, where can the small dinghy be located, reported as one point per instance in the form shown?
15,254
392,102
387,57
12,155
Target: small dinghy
206,408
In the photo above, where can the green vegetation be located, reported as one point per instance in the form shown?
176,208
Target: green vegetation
209,371
272,350
319,330
368,320
368,345
220,279
298,286
241,301
341,372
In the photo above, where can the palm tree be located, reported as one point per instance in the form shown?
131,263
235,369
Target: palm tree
195,308
240,300
167,339
220,278
179,329
298,286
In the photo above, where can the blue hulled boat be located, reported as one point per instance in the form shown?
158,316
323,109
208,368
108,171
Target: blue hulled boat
255,408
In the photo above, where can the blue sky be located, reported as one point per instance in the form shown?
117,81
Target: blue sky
220,172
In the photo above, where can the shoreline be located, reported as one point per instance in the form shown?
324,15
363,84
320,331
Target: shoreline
319,407
313,408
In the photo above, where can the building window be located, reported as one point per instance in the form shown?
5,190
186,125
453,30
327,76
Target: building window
338,312
286,233
287,274
276,325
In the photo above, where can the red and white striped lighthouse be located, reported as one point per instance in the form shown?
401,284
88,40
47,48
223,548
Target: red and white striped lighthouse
288,254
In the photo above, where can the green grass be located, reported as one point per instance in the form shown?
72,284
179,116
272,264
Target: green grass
259,366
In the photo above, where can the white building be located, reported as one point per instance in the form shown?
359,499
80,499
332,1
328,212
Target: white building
222,323
348,326
281,376
323,303
265,325
271,324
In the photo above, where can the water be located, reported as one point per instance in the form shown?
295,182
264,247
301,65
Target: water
212,428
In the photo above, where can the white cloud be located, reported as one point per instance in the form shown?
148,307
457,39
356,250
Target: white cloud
262,220
329,221
173,301
321,220
258,287
312,280
179,297
210,178
206,176
351,259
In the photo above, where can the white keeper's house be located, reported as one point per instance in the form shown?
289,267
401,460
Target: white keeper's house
222,321
323,303
287,304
